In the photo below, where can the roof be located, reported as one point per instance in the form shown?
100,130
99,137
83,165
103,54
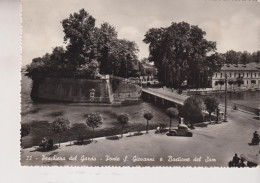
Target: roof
253,66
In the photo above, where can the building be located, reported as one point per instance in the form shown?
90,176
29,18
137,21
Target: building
239,76
150,74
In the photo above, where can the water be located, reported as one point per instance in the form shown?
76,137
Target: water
41,115
248,98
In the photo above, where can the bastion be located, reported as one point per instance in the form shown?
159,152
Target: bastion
103,90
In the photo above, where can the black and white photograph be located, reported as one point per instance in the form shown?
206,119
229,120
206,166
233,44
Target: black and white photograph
147,83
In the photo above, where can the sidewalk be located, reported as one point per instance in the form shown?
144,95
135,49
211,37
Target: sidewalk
217,142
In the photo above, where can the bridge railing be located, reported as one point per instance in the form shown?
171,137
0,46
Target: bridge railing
253,110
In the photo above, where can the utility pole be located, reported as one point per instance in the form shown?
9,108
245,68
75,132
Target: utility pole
225,116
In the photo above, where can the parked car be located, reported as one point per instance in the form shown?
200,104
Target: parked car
181,130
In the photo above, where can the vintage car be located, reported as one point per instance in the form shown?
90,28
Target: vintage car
181,130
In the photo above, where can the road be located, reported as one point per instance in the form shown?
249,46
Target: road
214,145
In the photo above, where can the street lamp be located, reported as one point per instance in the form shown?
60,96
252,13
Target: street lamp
225,115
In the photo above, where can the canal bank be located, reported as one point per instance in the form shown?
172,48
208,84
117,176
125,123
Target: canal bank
41,115
209,143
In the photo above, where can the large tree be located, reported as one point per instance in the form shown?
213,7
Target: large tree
79,31
191,110
89,50
180,52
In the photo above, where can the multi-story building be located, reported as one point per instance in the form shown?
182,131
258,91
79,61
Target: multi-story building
239,76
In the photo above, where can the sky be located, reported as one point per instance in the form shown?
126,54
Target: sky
232,24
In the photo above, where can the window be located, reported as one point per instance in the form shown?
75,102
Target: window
251,75
216,74
230,74
216,83
221,75
243,74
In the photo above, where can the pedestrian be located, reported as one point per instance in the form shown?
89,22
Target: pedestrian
236,160
235,107
44,143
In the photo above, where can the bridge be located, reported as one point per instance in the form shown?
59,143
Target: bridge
163,97
167,98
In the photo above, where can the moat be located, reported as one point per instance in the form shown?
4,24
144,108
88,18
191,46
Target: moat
40,116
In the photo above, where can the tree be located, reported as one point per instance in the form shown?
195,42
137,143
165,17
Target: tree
88,46
171,113
233,57
211,105
246,58
79,36
256,56
123,119
239,81
231,82
179,53
221,82
106,37
191,110
60,125
25,129
148,116
94,120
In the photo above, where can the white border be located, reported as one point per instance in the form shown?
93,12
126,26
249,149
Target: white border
11,171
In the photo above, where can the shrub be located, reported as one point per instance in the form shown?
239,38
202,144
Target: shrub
94,120
123,119
60,125
25,129
211,104
148,116
171,113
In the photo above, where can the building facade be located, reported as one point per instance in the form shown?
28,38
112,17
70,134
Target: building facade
239,76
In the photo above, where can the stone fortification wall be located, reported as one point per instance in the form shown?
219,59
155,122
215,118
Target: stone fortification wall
73,90
127,91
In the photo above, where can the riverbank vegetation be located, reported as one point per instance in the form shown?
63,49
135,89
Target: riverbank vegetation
184,58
